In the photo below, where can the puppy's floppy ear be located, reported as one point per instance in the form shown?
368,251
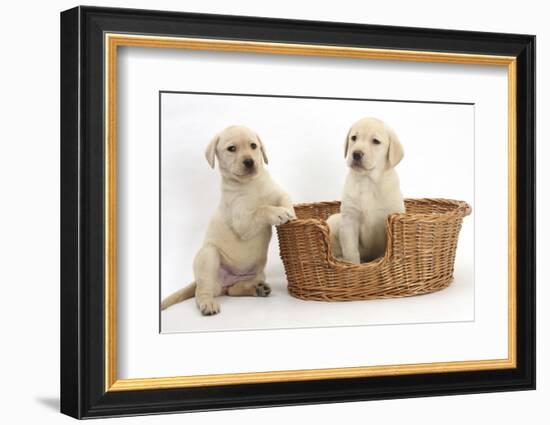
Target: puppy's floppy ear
395,149
210,152
346,144
262,149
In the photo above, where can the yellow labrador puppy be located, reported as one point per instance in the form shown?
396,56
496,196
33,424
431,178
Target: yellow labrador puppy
232,258
371,192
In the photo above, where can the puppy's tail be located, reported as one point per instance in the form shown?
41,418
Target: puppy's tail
179,296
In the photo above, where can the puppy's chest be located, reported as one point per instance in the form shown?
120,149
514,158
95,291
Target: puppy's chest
240,209
247,203
373,217
366,201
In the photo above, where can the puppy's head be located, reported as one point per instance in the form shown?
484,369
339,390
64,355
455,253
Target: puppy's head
240,152
371,145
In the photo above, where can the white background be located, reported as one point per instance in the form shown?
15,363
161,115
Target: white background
30,243
304,142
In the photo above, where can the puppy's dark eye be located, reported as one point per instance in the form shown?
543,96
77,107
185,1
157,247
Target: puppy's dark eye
232,148
354,138
376,141
253,145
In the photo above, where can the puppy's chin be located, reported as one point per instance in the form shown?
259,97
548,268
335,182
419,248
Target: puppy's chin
241,174
360,167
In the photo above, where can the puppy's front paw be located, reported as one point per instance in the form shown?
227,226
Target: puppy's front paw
262,289
352,258
209,307
280,215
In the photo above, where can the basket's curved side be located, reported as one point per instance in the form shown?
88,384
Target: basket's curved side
315,274
422,246
308,273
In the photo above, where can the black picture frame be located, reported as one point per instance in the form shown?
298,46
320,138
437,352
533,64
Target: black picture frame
83,392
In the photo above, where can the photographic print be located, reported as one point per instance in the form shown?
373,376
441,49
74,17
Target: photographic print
224,157
363,195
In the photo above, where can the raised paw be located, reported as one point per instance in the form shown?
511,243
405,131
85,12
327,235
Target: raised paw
280,215
262,289
209,307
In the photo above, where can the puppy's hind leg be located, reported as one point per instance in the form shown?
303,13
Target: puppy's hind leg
206,267
256,287
334,225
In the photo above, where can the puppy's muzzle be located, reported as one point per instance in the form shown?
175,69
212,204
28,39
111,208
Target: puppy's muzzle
357,156
248,163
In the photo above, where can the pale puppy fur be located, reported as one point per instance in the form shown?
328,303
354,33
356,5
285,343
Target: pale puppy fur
371,192
239,231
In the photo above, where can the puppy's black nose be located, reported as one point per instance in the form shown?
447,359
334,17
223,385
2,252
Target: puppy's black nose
357,155
248,163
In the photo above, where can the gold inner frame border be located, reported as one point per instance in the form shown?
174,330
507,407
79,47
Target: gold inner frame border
113,40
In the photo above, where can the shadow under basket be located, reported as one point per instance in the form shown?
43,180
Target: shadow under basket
419,258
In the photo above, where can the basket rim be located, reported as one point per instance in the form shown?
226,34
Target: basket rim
461,210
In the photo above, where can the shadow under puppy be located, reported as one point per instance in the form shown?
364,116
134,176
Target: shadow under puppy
371,192
233,256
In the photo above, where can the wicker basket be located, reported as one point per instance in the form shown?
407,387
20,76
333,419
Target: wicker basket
419,257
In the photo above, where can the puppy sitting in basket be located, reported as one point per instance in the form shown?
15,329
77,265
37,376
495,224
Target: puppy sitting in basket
233,256
371,192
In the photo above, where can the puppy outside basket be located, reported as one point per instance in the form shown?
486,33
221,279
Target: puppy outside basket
419,258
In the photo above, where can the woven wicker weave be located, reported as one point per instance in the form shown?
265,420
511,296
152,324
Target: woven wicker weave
419,257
